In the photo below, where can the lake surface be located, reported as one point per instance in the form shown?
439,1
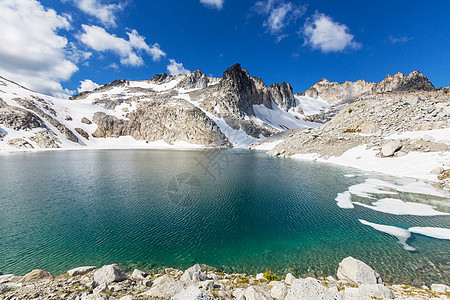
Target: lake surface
236,211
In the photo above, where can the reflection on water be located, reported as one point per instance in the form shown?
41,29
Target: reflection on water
236,211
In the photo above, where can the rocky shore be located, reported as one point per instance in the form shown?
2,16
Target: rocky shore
354,280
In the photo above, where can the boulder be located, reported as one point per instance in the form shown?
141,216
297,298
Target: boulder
440,288
80,271
3,289
279,290
260,276
310,288
37,275
192,293
139,274
253,293
165,290
109,274
101,288
376,291
163,280
289,278
391,147
194,273
357,272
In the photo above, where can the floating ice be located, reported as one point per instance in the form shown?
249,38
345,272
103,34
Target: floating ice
399,207
344,200
434,232
401,234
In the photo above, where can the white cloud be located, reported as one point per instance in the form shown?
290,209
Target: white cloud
129,51
175,68
105,13
400,39
322,33
217,4
32,52
279,15
87,85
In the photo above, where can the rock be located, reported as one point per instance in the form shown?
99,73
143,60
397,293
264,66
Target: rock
428,138
165,291
279,291
83,133
261,277
194,273
3,289
36,276
20,143
139,274
191,293
85,120
128,297
437,171
101,288
440,288
46,139
163,280
254,293
109,274
376,291
80,271
391,147
309,288
357,272
289,278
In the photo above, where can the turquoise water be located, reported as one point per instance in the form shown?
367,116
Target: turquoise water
236,211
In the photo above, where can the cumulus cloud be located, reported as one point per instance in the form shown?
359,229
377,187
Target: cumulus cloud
279,15
323,34
175,68
217,4
105,13
130,50
87,85
32,52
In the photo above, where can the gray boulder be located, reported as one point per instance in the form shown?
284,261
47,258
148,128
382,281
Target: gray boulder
357,272
194,273
279,291
391,147
310,288
253,293
109,274
80,271
192,293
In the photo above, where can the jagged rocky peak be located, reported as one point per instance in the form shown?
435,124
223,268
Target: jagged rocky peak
162,78
415,81
282,95
193,80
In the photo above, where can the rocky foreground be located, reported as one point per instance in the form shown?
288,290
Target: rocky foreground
355,280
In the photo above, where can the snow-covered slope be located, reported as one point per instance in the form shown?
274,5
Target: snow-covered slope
164,112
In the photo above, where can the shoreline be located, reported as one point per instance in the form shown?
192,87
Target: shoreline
354,280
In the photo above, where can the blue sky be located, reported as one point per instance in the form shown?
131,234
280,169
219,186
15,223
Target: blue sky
52,46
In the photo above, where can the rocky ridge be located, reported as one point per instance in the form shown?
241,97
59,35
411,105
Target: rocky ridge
355,280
